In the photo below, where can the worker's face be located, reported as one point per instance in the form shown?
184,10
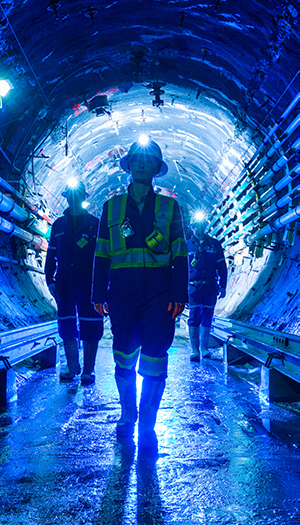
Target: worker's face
75,200
144,167
199,230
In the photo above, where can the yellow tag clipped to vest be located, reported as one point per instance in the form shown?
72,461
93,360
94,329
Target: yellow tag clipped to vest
82,242
194,262
153,239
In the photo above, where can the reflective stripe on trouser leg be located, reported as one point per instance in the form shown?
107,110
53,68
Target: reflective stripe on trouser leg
125,360
153,366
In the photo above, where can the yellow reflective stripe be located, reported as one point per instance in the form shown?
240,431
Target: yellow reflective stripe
102,248
104,241
171,207
153,366
122,217
157,204
115,216
137,257
163,206
102,244
179,248
129,251
139,265
153,359
180,240
126,360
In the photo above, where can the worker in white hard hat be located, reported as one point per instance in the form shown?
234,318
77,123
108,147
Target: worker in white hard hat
141,274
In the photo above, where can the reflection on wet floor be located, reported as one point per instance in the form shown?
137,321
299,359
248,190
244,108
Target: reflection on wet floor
217,464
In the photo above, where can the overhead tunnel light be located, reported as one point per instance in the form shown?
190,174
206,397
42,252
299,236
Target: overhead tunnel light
5,87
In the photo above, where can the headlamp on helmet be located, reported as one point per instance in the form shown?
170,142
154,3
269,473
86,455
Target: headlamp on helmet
74,186
147,147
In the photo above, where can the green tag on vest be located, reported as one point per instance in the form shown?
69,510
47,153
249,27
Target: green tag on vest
82,242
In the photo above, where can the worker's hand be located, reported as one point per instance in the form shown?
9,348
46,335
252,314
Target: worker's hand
222,293
102,308
52,290
177,309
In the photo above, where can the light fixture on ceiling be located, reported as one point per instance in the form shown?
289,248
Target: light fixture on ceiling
5,87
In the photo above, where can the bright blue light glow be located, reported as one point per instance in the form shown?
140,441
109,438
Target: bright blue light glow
199,216
72,182
5,87
143,140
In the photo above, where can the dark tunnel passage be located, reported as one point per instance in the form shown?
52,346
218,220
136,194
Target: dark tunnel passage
217,86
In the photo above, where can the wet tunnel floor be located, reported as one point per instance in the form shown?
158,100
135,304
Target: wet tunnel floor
60,462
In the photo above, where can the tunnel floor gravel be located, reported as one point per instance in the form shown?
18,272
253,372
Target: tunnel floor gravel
217,463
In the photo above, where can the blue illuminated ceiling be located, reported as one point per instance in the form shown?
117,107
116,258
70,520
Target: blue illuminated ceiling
229,70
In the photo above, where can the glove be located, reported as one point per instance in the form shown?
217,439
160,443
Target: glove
178,309
102,308
52,290
222,293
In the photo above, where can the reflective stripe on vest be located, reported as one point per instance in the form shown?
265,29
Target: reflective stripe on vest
137,257
163,215
115,217
178,248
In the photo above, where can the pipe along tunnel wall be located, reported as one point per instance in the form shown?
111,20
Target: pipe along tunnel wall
262,254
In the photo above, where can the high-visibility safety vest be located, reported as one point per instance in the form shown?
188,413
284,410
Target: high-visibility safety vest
158,252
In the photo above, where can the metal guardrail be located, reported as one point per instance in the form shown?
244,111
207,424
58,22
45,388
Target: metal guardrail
279,350
17,345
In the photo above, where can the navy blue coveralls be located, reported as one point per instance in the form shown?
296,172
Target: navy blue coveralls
69,264
207,274
138,282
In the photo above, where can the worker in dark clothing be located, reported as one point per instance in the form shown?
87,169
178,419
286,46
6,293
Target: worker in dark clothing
141,277
207,281
68,270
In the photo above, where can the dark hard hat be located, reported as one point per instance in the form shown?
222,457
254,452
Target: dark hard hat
151,149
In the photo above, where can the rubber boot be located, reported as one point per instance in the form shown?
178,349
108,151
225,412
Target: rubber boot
204,338
194,340
152,392
127,392
89,358
72,355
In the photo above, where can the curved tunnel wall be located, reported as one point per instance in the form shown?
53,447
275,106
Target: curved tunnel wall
227,74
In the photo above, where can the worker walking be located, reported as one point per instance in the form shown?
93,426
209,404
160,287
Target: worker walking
207,281
140,277
68,270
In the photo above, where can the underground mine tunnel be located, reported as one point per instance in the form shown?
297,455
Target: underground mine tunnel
216,85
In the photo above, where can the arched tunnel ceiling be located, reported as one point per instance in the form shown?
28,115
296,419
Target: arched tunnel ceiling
229,69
